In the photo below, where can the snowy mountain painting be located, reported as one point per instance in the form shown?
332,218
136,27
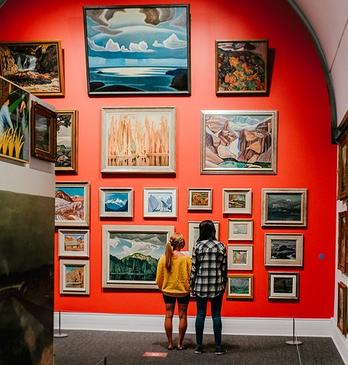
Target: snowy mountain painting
116,202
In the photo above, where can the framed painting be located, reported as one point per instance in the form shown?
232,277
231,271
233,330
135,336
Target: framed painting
241,67
283,249
35,66
342,240
239,257
343,167
73,242
43,132
131,253
239,142
240,286
236,201
283,285
284,207
160,202
72,204
74,277
200,199
138,49
240,229
14,121
342,308
67,132
116,202
138,140
193,228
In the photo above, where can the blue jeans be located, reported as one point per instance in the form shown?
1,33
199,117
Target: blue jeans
216,304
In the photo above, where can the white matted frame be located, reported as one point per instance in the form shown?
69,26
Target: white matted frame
283,285
237,201
240,229
160,202
239,257
284,249
73,242
200,199
74,277
193,229
116,202
240,286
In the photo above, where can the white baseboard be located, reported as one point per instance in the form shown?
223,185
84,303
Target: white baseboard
341,343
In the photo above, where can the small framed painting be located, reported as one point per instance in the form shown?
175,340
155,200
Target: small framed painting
73,242
193,228
74,277
282,249
283,285
284,207
241,67
343,167
200,199
116,202
67,131
43,132
240,229
72,204
342,308
240,286
160,202
342,241
239,257
236,201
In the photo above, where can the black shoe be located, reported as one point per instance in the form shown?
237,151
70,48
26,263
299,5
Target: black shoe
198,349
219,350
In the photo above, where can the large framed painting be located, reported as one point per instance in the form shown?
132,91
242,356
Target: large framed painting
283,285
67,132
342,308
73,242
131,253
200,199
236,201
138,49
160,202
43,132
72,204
14,121
239,257
343,167
116,202
284,207
74,277
241,66
342,259
193,233
138,140
35,66
240,229
283,249
240,286
239,142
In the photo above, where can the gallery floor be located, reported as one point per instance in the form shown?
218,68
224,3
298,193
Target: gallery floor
115,348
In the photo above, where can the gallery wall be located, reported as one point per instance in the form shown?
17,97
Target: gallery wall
306,158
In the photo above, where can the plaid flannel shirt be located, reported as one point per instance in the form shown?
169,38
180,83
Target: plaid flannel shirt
209,269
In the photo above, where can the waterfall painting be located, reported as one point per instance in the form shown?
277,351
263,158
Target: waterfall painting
138,140
160,202
35,66
137,49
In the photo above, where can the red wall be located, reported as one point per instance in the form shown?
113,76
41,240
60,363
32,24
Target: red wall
305,156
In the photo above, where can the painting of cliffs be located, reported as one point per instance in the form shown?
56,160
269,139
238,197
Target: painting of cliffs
237,142
35,66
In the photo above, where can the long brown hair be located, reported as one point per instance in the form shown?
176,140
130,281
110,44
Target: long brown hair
176,241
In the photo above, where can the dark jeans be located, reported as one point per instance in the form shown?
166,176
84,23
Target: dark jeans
216,304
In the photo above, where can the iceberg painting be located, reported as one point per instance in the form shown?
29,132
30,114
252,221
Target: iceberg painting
160,202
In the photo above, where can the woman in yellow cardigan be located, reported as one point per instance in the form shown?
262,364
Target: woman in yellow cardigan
173,276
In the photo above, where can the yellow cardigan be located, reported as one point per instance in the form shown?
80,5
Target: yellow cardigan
175,283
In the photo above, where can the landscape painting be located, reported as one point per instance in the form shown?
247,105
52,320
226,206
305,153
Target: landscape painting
240,286
72,204
239,257
131,254
200,199
35,66
138,140
160,202
14,122
73,242
283,285
74,277
137,49
342,307
238,142
116,202
236,200
342,251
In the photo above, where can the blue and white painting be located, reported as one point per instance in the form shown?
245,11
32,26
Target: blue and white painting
116,202
134,50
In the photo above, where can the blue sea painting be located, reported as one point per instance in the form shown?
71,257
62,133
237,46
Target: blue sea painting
116,202
134,50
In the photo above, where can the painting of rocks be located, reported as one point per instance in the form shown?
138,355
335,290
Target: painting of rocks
35,66
238,142
74,277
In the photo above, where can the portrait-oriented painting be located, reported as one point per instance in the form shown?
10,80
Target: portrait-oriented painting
238,142
74,277
138,140
14,122
131,254
137,49
35,66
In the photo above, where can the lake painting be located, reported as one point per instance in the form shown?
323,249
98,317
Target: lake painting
132,49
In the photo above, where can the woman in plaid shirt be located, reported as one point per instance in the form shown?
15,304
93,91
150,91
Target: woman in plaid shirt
208,280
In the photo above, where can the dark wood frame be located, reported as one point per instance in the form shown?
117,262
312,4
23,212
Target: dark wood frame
342,312
51,116
342,241
342,178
